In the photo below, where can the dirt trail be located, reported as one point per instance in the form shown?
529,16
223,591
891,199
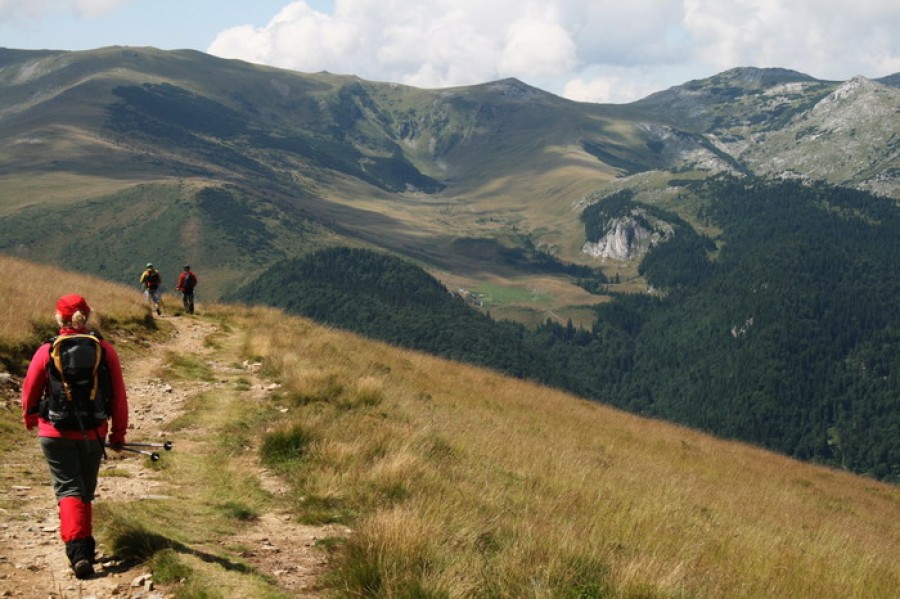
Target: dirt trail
32,559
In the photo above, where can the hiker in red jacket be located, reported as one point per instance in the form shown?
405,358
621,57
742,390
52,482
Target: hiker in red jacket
74,452
186,283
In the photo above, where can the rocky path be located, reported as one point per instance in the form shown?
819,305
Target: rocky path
32,560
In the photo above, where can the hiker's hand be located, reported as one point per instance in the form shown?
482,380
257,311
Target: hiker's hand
116,446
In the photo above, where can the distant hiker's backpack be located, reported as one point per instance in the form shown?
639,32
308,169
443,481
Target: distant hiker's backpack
152,279
189,282
78,386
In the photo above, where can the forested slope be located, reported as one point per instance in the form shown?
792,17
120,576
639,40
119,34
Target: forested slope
785,336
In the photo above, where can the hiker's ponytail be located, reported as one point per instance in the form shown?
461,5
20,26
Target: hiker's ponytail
79,319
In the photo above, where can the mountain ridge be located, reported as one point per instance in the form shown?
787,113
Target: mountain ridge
492,160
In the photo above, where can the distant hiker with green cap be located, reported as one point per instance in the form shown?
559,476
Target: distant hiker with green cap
186,283
150,280
72,391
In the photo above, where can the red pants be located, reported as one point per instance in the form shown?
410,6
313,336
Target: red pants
74,519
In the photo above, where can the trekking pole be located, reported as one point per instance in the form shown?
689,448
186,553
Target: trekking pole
167,445
151,454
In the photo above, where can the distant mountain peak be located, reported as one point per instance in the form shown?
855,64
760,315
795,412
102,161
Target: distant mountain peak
856,85
762,77
514,88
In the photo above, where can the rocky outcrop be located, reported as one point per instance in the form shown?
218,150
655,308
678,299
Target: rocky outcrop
849,137
629,237
681,150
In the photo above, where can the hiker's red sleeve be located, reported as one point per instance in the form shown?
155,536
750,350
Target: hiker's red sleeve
34,385
119,400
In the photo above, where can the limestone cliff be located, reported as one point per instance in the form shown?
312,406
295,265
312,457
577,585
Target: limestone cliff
629,237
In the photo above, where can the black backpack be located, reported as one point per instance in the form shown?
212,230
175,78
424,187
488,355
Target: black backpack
78,390
189,282
152,280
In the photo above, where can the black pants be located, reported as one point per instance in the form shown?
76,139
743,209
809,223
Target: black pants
187,299
74,465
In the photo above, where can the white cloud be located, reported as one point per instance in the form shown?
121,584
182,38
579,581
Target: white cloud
600,50
603,89
297,38
824,38
432,44
537,45
618,85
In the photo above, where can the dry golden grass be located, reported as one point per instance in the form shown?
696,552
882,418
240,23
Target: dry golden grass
459,482
472,484
30,291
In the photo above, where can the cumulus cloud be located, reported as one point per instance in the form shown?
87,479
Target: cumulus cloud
590,50
431,44
824,38
616,86
538,45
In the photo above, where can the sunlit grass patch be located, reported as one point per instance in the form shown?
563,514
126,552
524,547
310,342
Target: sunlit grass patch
496,294
315,385
316,510
115,473
238,510
239,421
285,447
187,367
168,568
365,392
12,431
392,556
217,339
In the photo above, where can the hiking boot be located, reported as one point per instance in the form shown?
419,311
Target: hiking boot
158,312
81,555
83,569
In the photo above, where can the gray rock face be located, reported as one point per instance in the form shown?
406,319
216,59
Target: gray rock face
629,237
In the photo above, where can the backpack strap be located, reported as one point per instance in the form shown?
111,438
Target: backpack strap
57,361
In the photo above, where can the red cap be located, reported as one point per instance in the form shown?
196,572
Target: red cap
68,305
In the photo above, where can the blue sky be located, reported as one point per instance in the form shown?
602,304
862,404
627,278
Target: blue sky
587,50
165,24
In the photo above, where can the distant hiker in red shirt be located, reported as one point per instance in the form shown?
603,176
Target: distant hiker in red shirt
186,283
150,280
73,387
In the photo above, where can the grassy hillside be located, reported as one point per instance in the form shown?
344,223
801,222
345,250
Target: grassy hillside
458,482
30,292
475,484
225,234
